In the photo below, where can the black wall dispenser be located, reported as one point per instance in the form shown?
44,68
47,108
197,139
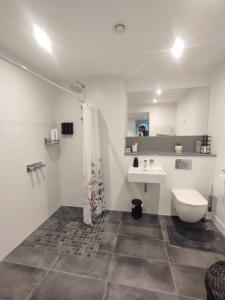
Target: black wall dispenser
67,128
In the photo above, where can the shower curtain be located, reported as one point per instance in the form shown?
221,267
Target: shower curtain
94,202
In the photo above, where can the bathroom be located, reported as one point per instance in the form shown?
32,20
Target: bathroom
120,57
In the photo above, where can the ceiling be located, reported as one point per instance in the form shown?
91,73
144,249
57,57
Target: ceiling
84,43
166,97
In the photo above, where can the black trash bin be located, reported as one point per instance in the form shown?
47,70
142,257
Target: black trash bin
136,208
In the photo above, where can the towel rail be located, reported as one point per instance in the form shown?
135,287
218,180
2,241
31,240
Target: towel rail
35,166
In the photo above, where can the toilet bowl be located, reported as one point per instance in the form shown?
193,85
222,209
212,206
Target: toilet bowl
190,205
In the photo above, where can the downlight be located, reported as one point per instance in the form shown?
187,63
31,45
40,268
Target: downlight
178,48
119,28
42,38
158,92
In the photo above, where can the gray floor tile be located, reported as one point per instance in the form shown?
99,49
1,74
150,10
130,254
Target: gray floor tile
17,281
190,281
149,219
149,231
122,292
114,216
141,273
177,222
166,220
41,258
60,286
97,267
187,298
141,247
192,257
164,233
108,242
111,227
184,235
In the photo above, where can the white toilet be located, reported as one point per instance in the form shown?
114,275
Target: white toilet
190,205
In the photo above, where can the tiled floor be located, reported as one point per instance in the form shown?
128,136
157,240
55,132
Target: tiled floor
64,232
158,258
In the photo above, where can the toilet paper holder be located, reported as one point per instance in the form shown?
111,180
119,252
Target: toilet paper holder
35,166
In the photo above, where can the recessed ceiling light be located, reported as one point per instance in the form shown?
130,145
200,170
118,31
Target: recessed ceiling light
120,28
42,38
158,92
155,100
178,48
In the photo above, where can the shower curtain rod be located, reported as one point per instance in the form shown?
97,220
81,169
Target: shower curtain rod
15,64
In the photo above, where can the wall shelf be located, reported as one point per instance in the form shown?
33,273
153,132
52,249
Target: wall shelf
51,142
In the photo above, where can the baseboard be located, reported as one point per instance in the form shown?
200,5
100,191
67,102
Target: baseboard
219,224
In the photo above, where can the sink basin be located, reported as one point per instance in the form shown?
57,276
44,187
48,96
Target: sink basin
155,174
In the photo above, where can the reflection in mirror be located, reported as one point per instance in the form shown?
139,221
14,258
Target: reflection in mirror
138,124
173,112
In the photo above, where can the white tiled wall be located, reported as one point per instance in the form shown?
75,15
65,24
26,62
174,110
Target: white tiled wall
70,162
29,108
26,115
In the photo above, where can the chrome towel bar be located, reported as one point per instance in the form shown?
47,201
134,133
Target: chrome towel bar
35,166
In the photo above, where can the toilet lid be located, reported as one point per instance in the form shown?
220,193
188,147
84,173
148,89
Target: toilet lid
191,197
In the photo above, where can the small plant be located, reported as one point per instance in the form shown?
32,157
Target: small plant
178,144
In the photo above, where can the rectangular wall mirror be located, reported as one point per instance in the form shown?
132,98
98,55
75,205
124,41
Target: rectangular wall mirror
178,112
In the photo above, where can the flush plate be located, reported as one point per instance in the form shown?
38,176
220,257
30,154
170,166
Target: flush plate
183,164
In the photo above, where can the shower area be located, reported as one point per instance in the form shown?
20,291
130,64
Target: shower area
52,191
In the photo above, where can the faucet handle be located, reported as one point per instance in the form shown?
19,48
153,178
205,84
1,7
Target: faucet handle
151,161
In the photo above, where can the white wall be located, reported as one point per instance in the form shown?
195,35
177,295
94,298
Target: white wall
159,115
70,160
192,112
108,94
131,126
29,107
217,130
26,115
158,198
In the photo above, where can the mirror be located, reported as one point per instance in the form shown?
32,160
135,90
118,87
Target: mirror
172,112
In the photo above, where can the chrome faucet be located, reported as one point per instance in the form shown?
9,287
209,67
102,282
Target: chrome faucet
145,164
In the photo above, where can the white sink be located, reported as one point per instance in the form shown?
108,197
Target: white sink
154,174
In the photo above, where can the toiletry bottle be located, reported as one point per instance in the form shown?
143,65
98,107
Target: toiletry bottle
203,146
135,147
135,163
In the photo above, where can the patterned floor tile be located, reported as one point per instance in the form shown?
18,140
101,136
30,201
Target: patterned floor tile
65,232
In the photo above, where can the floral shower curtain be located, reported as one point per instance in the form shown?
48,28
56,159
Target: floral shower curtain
94,203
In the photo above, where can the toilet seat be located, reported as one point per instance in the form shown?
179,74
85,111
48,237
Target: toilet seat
189,197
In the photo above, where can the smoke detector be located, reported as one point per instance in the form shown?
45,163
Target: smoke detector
119,28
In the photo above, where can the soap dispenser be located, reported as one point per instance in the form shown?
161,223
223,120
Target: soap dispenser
135,163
